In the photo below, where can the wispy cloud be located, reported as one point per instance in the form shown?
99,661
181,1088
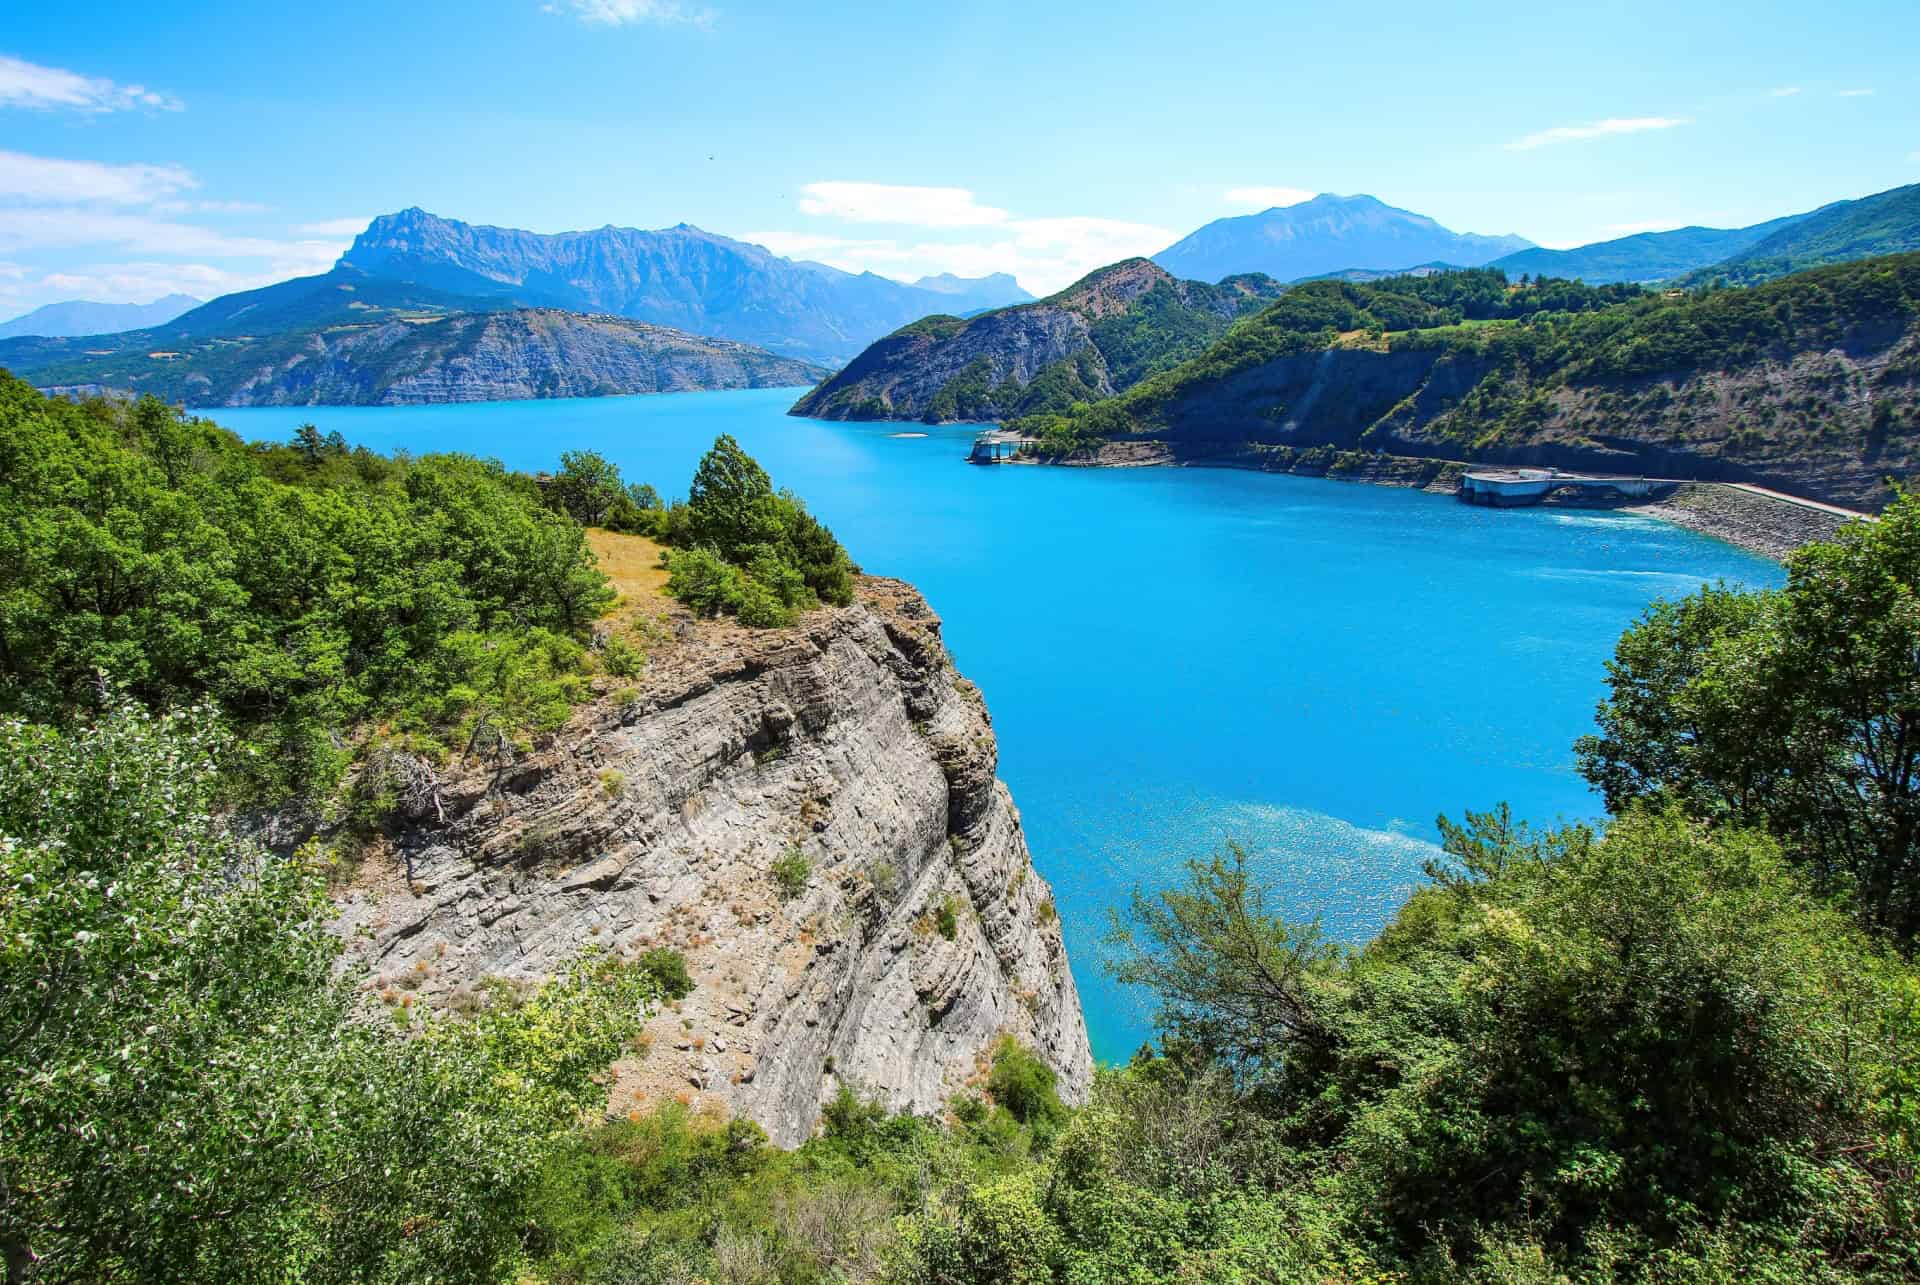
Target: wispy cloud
621,13
26,84
927,207
48,178
947,229
211,207
334,227
1853,93
68,227
1265,198
1595,129
1785,91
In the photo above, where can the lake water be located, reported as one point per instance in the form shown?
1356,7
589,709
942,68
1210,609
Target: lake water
1175,657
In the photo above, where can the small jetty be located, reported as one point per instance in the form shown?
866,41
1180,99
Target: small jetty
999,446
1509,488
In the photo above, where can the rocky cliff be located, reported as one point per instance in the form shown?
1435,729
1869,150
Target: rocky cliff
914,933
1098,337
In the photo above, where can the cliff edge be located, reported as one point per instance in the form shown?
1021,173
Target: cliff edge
908,937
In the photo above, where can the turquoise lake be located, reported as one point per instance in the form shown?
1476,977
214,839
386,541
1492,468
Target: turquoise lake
1176,657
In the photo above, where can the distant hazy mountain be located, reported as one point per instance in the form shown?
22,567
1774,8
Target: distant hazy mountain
678,276
1885,223
85,317
972,294
1645,256
1101,335
1325,235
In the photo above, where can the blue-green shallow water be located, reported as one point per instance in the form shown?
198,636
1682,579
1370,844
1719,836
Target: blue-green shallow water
1176,656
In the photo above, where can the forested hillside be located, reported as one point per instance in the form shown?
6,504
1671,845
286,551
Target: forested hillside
1810,383
1099,336
326,599
1885,223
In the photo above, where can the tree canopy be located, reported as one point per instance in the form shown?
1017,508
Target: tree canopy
302,588
1796,711
191,1090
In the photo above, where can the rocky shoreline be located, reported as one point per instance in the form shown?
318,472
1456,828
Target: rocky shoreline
1760,522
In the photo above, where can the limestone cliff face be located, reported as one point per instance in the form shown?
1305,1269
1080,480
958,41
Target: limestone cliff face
922,934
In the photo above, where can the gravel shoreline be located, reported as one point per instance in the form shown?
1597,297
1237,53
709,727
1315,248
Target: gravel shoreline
1767,524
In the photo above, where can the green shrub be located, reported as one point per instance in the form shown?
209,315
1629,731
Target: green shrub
946,917
1024,1085
746,551
621,658
791,870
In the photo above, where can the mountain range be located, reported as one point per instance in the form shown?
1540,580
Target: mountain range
1324,235
1099,336
1361,238
680,276
85,317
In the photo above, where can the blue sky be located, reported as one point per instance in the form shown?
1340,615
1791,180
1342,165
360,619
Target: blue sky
207,147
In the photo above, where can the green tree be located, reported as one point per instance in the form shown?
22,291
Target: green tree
587,487
725,500
189,1090
1798,711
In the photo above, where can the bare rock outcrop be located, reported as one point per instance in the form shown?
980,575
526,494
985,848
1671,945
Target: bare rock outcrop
913,933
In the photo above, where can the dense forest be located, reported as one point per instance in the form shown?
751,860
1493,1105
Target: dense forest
325,598
1681,1046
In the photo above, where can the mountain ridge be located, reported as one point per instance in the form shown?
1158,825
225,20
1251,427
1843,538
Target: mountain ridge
681,276
344,339
1100,335
1326,234
87,317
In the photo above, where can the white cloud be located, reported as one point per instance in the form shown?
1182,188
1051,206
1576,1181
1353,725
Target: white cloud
1595,129
1043,253
1785,91
25,84
50,179
927,207
620,13
210,207
348,227
74,227
1854,93
1265,198
141,282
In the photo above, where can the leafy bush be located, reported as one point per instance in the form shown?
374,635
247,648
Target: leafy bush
742,550
791,870
1024,1085
175,988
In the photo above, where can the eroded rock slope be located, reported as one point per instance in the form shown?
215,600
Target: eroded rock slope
920,936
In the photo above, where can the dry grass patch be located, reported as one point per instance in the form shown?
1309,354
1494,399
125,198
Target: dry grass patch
632,563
